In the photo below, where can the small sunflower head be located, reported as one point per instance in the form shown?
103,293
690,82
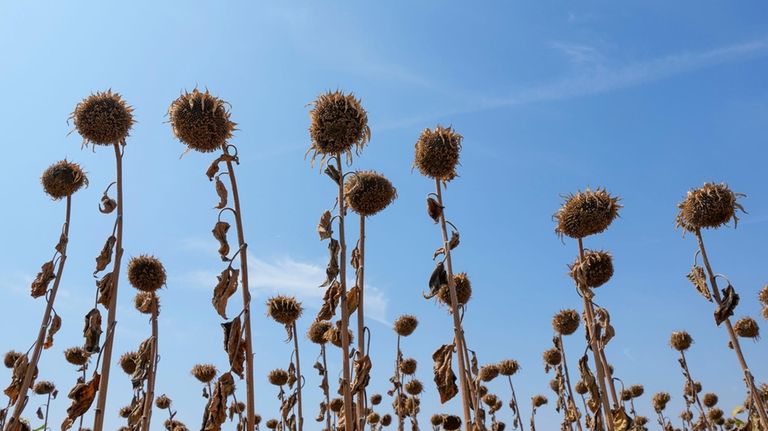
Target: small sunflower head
451,422
709,399
204,373
146,273
746,327
636,391
660,400
278,377
710,206
338,123
552,357
317,330
437,153
490,400
566,322
436,420
581,387
163,402
538,401
375,399
414,387
284,309
594,270
715,415
63,179
146,302
128,362
680,341
201,121
103,118
508,367
488,372
272,424
9,360
386,420
408,366
763,296
76,356
691,389
368,192
373,418
44,387
405,325
463,290
686,416
586,213
336,405
125,412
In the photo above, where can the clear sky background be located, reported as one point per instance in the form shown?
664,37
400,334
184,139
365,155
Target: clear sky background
647,99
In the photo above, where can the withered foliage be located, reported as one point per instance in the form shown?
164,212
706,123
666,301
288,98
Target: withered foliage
445,379
105,287
234,345
697,277
324,228
437,280
219,231
213,169
105,256
225,288
332,270
43,279
53,328
221,191
216,411
20,367
92,331
727,305
452,243
434,209
362,374
142,363
330,302
82,396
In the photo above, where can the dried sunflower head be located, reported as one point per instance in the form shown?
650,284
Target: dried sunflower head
128,362
691,389
414,387
63,179
338,123
201,121
581,387
746,327
336,405
405,325
763,295
660,400
586,213
538,400
552,357
594,270
163,402
566,322
463,290
375,399
386,420
125,411
709,399
451,422
490,400
680,341
146,273
76,356
284,309
437,153
373,418
272,424
278,377
436,420
508,367
686,416
44,387
488,372
636,390
368,192
710,206
205,373
103,118
317,330
10,358
408,366
146,302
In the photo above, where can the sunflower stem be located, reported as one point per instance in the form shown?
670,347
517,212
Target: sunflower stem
360,319
326,388
152,372
298,373
568,382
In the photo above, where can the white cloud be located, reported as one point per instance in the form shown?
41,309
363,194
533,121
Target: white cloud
577,53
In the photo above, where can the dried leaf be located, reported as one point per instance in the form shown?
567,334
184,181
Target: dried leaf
61,246
39,413
604,319
287,406
220,233
53,328
291,375
696,276
43,279
216,411
321,414
143,363
621,421
92,331
221,191
103,259
355,260
437,280
445,379
19,371
225,288
107,204
353,298
333,173
82,396
324,228
434,209
234,345
104,296
330,302
213,169
727,305
332,270
452,243
362,374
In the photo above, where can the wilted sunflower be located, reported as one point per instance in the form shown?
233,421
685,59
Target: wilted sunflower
581,387
408,366
405,325
163,402
44,387
376,399
636,390
490,399
62,179
201,121
746,327
660,400
763,295
586,213
336,405
715,415
128,362
368,192
594,270
710,206
284,309
338,123
414,387
76,356
566,322
508,367
103,118
125,412
317,330
272,424
437,153
10,358
205,373
538,400
436,420
373,418
488,372
680,340
278,377
333,335
145,302
709,399
146,273
451,422
386,420
463,290
552,357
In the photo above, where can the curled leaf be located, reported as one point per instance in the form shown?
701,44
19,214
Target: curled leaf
43,279
220,233
53,328
332,270
452,243
216,411
92,331
221,191
234,345
324,228
82,396
445,379
434,209
362,374
333,174
107,204
104,286
225,288
330,302
696,276
727,306
353,299
213,169
437,280
61,246
103,259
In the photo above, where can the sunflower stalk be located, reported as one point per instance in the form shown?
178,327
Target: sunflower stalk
149,395
569,388
360,272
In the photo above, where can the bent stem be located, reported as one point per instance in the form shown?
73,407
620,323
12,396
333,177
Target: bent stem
458,331
27,382
152,375
360,318
249,381
98,418
300,380
748,378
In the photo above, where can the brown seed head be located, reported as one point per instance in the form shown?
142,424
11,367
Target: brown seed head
76,356
581,387
145,302
368,192
375,399
641,420
163,402
746,327
538,401
317,330
488,372
146,273
10,358
660,400
278,377
405,325
552,357
103,118
201,121
691,389
508,367
336,405
710,206
63,179
284,309
626,395
437,153
205,373
44,387
128,362
636,390
373,418
763,295
586,213
482,390
554,384
680,341
451,422
594,270
715,414
686,416
490,400
463,290
272,424
566,322
338,124
386,420
125,411
709,399
408,366
436,420
414,387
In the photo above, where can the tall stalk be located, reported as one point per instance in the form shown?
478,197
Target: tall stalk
360,319
300,379
568,386
149,396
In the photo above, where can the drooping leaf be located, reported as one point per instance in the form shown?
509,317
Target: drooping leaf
225,288
43,279
445,379
92,331
330,302
434,209
353,298
221,191
105,256
105,288
437,280
143,361
604,319
452,243
324,228
82,396
220,233
53,328
362,374
19,372
61,246
727,306
696,276
216,411
107,204
332,270
234,345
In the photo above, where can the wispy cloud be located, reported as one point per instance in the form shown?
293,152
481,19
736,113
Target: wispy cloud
602,79
578,53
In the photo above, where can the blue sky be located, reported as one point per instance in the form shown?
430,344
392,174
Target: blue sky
647,99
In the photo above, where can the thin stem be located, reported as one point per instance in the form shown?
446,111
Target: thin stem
152,375
326,389
98,418
595,344
360,318
458,331
568,381
399,378
298,373
345,380
517,406
47,408
249,381
608,372
694,394
38,348
755,394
